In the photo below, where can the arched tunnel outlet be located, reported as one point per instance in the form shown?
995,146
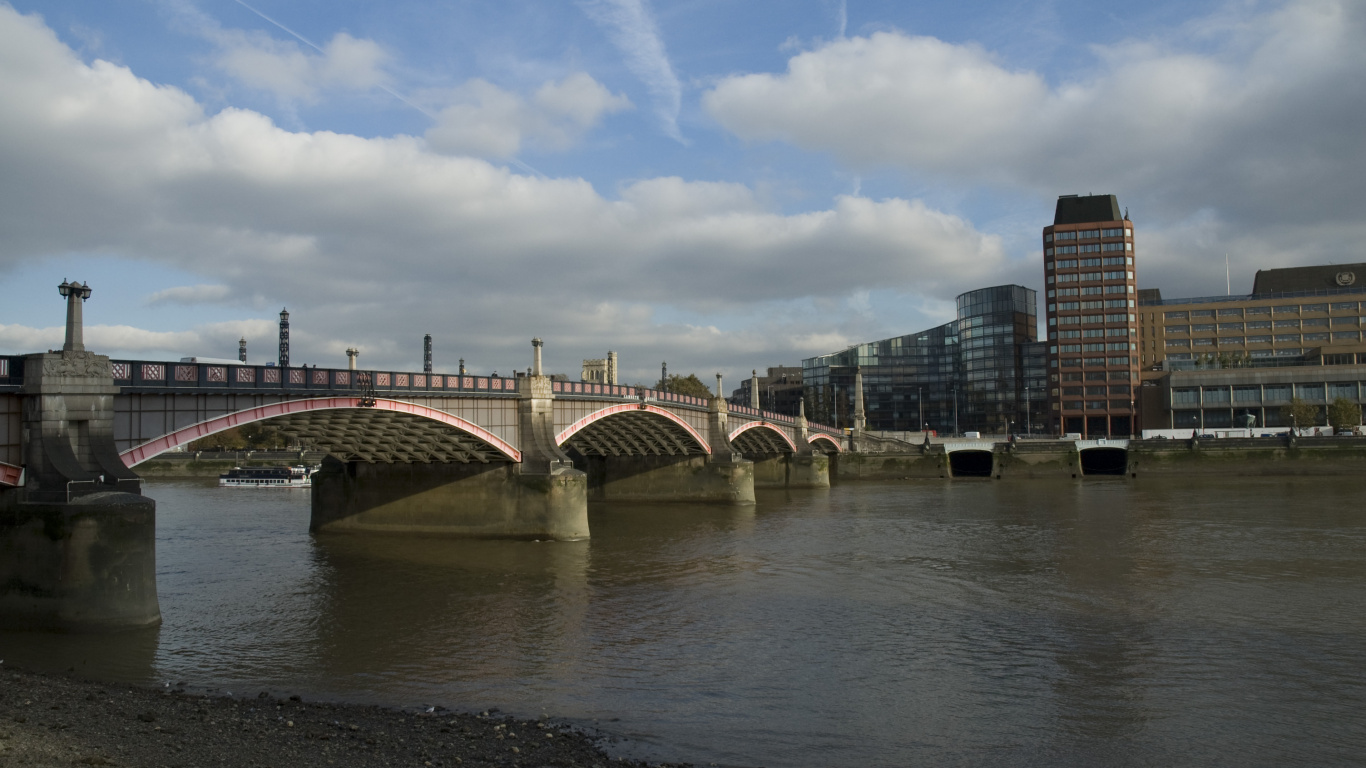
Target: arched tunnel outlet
970,463
693,478
1104,461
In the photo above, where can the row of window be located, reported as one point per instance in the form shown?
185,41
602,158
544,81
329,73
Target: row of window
1091,333
1098,376
1108,261
1101,389
1096,405
1087,277
1280,338
1113,346
1281,309
1260,393
1064,306
1088,234
1259,325
1064,250
1093,362
1255,353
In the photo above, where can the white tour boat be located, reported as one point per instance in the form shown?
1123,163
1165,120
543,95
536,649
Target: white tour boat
268,477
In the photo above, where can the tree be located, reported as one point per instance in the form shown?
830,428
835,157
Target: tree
1344,414
686,385
1300,414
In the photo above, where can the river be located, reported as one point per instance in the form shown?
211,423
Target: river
1098,623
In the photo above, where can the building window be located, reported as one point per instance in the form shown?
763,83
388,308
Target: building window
1093,333
1114,275
1112,233
1259,325
1286,309
1185,396
1091,318
1259,339
1093,248
1176,316
1231,341
1064,235
1112,247
1346,336
1118,331
1048,238
1177,329
1067,264
1342,321
1090,276
1230,326
1348,306
1072,278
1206,342
1096,362
1095,405
1178,343
1068,292
1347,389
1316,322
1314,308
1258,311
1215,395
1316,337
1202,328
1231,312
1071,334
1202,313
1309,391
1117,346
1288,338
1069,320
1287,324
1095,290
1065,305
1094,347
1067,249
1048,252
1247,394
1288,352
1071,348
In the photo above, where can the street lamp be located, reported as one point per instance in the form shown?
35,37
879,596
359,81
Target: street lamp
1028,429
74,293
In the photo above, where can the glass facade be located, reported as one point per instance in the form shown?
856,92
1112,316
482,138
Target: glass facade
965,375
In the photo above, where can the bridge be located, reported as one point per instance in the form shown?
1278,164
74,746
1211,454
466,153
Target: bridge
412,453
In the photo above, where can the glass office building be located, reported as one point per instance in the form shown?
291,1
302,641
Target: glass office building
966,375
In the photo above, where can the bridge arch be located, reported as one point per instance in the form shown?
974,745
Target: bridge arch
825,443
632,429
760,437
390,431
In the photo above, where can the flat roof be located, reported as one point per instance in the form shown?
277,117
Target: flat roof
1077,209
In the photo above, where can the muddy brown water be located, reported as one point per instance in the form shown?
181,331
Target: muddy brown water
1106,622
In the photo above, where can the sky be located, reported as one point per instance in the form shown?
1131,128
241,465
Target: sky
722,185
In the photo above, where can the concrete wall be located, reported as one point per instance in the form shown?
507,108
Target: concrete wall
1250,457
470,500
87,565
667,478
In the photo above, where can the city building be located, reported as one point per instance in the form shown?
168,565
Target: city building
1091,296
1210,362
602,370
780,390
969,374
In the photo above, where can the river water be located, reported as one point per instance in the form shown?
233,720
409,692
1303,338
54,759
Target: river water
1096,623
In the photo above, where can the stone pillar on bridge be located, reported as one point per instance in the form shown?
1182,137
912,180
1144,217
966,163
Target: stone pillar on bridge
77,540
754,389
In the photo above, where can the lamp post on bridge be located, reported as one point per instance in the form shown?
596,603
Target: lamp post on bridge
284,338
536,344
75,294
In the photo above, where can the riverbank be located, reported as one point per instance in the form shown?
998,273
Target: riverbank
48,721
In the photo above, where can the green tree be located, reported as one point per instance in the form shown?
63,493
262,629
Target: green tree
1300,414
1344,414
686,385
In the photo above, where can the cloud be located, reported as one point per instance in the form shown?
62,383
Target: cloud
632,29
487,121
292,73
374,241
124,341
1253,120
190,295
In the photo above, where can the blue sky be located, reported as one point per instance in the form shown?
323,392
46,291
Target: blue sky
723,185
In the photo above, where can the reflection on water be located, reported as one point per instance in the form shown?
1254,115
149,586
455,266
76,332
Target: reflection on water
1104,622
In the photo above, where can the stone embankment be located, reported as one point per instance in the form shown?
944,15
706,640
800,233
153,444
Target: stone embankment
1042,459
48,721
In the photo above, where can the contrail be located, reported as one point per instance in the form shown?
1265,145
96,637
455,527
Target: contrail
315,47
383,87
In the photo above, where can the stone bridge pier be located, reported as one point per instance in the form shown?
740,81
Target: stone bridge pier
77,538
477,494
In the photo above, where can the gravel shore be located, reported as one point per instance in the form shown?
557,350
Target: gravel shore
55,721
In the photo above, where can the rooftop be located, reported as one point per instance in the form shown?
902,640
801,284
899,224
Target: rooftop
1076,209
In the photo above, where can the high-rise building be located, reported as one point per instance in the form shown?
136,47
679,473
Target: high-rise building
1089,277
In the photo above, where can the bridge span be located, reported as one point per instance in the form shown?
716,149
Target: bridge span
409,453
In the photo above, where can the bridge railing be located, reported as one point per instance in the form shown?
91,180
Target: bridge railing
589,389
162,376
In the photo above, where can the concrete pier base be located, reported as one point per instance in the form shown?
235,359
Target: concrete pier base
84,565
792,470
465,500
698,479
